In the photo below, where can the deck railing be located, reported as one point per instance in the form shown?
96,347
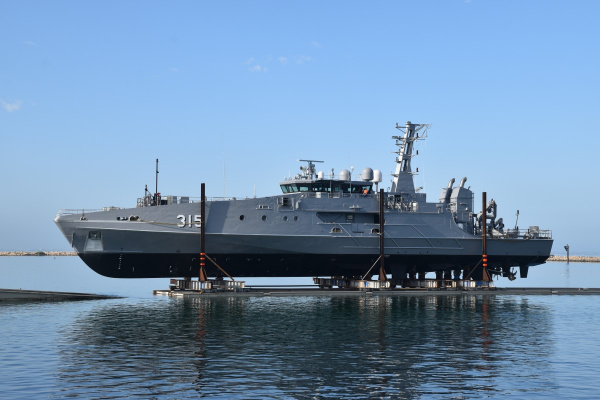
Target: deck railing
81,211
169,199
333,195
533,232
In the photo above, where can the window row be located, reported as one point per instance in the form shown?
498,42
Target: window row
327,186
264,218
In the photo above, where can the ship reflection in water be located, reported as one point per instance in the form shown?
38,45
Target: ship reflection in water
310,347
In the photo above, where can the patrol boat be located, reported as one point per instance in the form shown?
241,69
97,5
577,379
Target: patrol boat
321,225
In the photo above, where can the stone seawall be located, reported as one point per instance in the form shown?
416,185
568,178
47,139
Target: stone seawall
575,259
38,253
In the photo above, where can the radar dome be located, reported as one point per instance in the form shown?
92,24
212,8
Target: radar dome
344,175
367,174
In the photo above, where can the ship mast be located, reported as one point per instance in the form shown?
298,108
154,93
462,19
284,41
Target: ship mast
403,176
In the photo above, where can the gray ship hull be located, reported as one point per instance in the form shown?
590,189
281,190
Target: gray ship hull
155,245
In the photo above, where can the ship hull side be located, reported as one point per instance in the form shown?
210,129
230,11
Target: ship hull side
290,264
157,246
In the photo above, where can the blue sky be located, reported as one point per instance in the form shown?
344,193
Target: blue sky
233,93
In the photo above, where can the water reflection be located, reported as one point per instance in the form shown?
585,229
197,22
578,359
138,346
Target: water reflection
310,347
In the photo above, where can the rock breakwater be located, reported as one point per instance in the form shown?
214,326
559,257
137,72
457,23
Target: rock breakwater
38,253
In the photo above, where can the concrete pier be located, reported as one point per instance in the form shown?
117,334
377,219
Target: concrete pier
15,295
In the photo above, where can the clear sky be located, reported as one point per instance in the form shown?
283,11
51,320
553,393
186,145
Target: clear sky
233,93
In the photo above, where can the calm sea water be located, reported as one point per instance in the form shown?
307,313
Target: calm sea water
402,347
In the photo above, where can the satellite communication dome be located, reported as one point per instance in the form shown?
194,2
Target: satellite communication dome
376,175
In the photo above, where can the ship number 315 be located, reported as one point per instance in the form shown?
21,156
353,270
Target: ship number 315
183,222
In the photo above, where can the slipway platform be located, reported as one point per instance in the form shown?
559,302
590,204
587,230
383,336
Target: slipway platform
288,292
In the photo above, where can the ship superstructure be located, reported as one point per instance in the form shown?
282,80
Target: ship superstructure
320,225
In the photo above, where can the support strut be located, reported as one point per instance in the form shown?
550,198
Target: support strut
382,274
202,275
484,259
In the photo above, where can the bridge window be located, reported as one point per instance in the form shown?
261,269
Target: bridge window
327,186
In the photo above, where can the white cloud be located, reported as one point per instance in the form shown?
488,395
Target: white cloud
174,69
10,107
264,64
316,44
30,43
255,66
302,59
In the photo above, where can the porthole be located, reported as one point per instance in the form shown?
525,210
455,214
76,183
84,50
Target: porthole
295,218
264,217
242,218
285,217
375,230
336,230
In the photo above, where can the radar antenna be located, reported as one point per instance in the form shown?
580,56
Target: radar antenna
309,171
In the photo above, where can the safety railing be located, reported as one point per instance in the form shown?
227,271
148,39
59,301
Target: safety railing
169,199
532,232
334,195
80,211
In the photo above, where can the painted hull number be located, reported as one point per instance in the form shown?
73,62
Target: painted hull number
189,222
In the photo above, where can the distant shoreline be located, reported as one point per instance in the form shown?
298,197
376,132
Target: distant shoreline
72,253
